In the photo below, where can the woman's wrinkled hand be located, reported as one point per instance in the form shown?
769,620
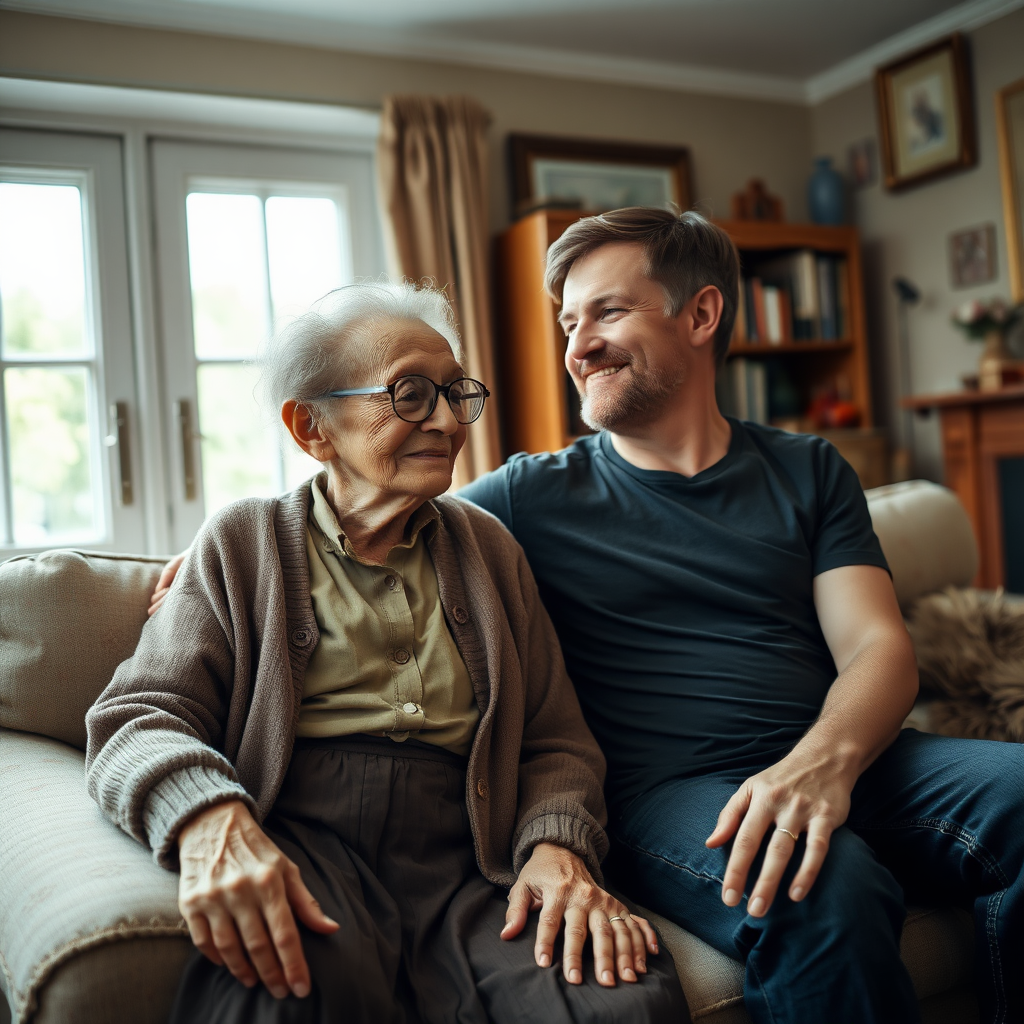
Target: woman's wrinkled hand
164,583
237,894
557,883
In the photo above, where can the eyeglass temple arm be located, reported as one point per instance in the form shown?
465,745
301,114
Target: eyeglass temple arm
379,390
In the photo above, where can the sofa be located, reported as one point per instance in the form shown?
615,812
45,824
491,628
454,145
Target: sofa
89,927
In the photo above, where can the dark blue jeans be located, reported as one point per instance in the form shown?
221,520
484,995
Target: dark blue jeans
933,821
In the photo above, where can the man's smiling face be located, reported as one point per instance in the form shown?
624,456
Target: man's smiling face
626,356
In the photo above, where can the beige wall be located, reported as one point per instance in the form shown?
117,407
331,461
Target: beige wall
730,140
907,234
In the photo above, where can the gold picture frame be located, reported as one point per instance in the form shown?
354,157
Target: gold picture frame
926,114
1010,131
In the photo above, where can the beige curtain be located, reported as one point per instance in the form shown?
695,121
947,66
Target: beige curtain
432,167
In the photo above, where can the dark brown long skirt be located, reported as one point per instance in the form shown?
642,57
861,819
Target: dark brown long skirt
381,834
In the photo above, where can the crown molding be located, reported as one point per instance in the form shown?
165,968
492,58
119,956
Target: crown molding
861,67
422,46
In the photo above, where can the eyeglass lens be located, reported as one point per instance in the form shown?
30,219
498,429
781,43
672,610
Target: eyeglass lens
414,398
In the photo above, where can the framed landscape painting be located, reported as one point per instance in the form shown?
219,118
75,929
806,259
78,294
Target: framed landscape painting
925,113
594,175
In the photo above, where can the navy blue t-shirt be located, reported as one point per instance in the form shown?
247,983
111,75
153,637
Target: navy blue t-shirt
684,604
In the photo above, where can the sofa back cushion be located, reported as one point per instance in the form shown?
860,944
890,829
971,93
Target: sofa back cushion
926,536
67,620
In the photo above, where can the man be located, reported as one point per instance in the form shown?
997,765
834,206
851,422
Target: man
731,629
730,625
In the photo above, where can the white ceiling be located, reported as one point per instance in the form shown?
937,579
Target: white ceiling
798,50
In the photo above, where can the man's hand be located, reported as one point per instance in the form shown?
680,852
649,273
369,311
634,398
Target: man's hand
237,892
802,793
164,583
809,789
557,883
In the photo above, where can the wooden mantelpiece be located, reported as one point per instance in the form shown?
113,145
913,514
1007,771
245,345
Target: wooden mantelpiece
979,428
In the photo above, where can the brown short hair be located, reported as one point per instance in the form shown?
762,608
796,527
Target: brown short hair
684,252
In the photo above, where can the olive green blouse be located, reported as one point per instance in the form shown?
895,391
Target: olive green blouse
386,663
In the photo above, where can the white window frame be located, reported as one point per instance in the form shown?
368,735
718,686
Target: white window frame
136,116
94,165
182,167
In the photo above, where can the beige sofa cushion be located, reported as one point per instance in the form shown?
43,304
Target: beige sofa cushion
926,536
74,890
67,620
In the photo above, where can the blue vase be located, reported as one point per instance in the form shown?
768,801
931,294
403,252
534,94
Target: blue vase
826,193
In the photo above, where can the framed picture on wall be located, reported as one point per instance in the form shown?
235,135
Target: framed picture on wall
926,114
595,175
1010,128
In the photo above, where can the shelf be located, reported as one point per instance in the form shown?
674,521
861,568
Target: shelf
789,348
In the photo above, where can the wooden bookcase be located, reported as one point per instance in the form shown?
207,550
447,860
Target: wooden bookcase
541,410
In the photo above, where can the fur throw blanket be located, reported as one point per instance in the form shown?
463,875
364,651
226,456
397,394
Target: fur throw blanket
970,654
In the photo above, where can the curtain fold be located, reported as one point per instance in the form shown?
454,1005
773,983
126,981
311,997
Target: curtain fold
432,175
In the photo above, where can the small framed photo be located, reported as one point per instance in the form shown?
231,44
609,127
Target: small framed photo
926,115
595,175
972,256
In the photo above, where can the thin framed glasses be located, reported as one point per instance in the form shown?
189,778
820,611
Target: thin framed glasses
414,398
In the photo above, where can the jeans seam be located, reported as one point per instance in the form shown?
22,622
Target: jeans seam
950,828
671,863
991,913
750,966
989,863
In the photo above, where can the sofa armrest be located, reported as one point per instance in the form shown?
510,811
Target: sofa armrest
71,883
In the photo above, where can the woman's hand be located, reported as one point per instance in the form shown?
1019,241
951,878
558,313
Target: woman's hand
164,583
237,892
557,883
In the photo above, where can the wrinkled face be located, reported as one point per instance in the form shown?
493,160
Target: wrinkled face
376,452
626,357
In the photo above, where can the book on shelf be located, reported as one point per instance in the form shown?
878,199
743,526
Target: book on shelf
741,387
802,296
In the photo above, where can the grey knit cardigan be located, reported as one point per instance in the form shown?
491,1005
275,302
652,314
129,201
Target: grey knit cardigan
205,709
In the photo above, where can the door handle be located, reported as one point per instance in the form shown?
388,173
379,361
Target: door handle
118,437
188,458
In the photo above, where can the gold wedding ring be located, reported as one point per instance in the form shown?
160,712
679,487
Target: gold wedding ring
796,839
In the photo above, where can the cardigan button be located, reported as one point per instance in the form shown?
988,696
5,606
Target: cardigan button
482,789
301,637
460,615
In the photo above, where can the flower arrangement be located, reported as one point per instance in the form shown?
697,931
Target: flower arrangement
978,319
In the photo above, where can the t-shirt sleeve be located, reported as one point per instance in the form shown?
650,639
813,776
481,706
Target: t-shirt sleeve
844,533
492,492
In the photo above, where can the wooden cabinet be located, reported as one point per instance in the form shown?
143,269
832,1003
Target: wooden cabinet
983,452
541,408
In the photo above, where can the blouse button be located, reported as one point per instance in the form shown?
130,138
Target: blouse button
482,789
401,655
391,583
410,708
460,615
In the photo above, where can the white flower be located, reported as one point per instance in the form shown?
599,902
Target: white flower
969,312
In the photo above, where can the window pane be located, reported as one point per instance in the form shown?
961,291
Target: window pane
52,474
240,455
245,453
228,276
42,269
304,250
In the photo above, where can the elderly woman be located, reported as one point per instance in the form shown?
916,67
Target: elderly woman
350,725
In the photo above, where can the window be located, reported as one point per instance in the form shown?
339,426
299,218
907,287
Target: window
247,237
138,278
66,383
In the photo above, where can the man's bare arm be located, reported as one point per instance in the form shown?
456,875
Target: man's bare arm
809,789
